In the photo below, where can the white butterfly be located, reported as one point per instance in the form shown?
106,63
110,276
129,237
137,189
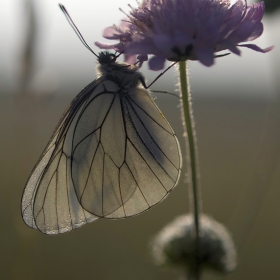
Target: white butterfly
112,155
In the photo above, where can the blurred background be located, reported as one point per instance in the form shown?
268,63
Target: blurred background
237,112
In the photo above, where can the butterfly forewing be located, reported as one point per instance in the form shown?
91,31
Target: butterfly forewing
127,162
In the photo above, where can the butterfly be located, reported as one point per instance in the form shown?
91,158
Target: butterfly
112,155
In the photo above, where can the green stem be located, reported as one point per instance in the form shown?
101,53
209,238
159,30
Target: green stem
192,160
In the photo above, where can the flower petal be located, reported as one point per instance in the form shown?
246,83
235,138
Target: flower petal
257,32
163,43
141,59
142,47
205,56
105,46
111,33
243,32
232,47
156,63
255,12
130,58
257,48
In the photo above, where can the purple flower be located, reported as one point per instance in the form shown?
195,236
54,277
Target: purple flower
177,30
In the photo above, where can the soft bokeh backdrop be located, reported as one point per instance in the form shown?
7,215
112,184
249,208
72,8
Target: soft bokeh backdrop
237,112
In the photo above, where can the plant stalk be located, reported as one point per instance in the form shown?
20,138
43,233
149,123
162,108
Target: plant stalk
192,160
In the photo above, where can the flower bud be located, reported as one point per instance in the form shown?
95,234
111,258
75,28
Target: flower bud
176,245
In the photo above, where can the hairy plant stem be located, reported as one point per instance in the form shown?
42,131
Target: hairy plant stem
192,163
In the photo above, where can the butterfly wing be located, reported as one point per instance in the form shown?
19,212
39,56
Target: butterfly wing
113,155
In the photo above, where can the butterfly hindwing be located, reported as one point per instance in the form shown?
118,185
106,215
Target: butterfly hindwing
49,201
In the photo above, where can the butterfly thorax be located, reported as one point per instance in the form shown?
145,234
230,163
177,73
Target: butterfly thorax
124,75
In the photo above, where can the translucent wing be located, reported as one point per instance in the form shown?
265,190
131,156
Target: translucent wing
49,202
113,155
127,159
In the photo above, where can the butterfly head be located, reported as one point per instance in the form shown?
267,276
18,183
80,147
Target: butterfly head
106,58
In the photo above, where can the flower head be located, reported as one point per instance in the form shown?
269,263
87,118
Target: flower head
175,244
177,30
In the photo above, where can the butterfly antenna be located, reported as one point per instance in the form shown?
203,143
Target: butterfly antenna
75,28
